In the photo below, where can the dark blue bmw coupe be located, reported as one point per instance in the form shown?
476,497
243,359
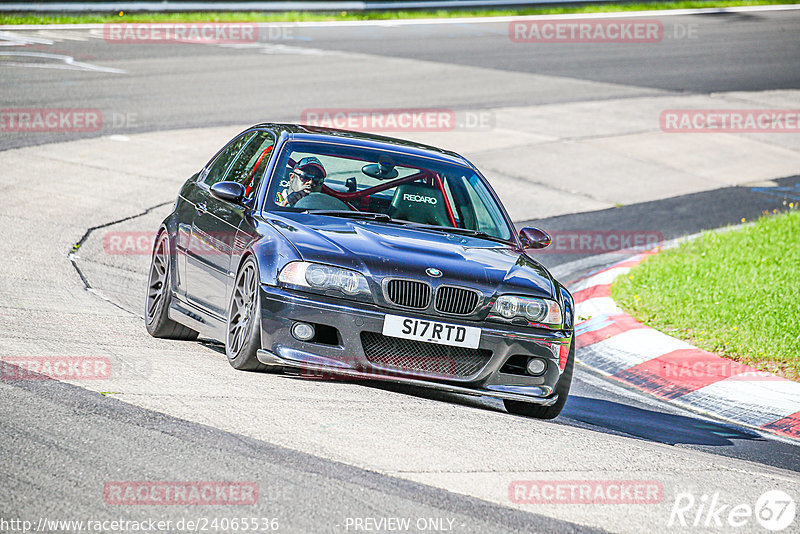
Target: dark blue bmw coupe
355,255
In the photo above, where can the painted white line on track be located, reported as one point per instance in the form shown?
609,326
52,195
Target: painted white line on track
18,39
66,62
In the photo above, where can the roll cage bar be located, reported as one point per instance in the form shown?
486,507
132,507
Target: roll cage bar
433,179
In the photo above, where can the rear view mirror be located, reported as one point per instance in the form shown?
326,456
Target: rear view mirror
228,191
534,238
383,170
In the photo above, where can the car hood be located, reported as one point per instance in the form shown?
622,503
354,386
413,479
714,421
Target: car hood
382,250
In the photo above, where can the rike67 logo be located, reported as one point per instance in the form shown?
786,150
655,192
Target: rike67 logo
774,510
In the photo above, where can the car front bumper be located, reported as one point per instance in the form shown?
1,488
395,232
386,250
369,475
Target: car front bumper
281,308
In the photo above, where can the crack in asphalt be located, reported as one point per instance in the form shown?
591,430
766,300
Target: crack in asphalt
72,256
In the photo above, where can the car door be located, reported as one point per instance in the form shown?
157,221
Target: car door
216,222
249,170
206,267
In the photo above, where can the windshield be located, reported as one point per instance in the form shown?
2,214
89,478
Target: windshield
339,178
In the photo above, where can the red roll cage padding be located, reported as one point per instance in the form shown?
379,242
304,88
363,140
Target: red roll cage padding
450,215
427,175
248,181
431,177
347,198
341,195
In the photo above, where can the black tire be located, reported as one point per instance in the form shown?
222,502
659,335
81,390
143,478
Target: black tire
243,329
159,295
529,409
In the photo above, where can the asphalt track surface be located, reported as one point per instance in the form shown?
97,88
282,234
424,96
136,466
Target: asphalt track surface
177,86
62,442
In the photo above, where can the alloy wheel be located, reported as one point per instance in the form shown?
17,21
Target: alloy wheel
158,280
242,307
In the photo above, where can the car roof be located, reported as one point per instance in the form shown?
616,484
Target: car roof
302,132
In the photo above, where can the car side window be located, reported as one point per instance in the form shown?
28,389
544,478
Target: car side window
216,172
249,165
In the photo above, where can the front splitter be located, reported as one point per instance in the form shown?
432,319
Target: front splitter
530,394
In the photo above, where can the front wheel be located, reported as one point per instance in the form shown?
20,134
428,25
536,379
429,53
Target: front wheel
159,295
243,332
529,409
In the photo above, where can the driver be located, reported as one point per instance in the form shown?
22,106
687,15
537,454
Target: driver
306,177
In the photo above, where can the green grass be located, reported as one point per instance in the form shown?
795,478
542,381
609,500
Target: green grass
735,293
299,16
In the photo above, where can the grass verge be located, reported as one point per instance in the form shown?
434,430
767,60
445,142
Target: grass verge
734,293
314,16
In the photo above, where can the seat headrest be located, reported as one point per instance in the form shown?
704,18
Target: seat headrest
420,203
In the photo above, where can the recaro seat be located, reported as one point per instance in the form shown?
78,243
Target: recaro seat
419,203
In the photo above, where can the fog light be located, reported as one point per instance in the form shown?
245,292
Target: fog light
302,331
536,366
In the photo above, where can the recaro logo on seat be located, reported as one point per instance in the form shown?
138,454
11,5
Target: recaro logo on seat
419,198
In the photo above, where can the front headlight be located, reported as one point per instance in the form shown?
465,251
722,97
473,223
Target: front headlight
526,310
325,278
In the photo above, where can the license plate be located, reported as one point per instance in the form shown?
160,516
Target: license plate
432,331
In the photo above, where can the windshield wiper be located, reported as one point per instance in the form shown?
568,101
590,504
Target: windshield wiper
367,215
462,231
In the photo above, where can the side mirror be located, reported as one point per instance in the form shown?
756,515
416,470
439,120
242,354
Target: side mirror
228,191
534,238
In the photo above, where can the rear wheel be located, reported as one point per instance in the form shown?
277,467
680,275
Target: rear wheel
243,332
529,409
159,296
